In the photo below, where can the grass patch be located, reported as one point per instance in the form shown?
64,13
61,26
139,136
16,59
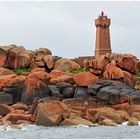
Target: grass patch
78,71
138,75
20,71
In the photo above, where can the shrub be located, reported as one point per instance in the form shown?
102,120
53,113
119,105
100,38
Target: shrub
78,71
20,71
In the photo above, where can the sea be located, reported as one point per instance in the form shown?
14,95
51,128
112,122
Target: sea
70,132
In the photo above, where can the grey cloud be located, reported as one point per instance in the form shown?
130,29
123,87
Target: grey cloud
67,28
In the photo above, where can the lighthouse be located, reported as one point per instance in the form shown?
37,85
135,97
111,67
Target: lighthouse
103,45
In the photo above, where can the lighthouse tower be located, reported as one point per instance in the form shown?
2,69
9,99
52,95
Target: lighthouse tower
102,35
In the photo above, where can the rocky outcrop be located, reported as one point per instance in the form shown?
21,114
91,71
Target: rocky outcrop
114,67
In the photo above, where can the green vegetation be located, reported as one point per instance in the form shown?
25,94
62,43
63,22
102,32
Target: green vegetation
20,71
78,71
138,75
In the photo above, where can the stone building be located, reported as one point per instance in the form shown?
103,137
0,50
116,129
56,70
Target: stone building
103,45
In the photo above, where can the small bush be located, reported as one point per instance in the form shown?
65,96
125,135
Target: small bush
78,71
20,71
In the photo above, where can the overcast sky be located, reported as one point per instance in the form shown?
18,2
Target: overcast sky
68,28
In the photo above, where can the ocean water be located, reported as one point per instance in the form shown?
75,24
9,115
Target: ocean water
69,132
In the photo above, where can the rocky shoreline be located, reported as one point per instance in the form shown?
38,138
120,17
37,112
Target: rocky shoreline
102,91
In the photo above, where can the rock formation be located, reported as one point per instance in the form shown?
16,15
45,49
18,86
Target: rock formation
60,91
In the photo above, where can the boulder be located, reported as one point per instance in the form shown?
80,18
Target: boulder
18,57
123,106
14,117
100,63
20,106
51,113
76,105
63,78
58,73
129,79
5,71
107,113
123,114
133,108
11,84
80,92
34,86
132,121
66,65
66,89
136,115
96,72
74,120
129,64
5,109
23,122
108,122
111,92
85,78
48,59
6,98
40,53
3,54
112,72
55,92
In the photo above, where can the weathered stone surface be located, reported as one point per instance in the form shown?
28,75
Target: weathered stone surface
5,71
5,109
6,98
20,106
106,113
112,92
40,53
66,89
136,115
35,85
76,105
55,92
123,106
107,122
80,92
51,113
3,54
14,117
85,79
112,72
96,72
48,59
74,120
100,63
66,65
18,57
123,114
129,79
133,108
63,78
12,84
129,63
132,121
